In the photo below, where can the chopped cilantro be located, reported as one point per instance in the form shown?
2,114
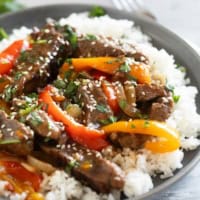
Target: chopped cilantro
9,92
60,84
68,74
97,11
71,88
35,119
122,104
69,61
132,78
176,98
72,164
133,126
33,95
181,68
90,37
110,120
124,36
139,115
27,110
18,75
24,56
3,34
71,36
124,68
170,87
101,108
146,124
113,119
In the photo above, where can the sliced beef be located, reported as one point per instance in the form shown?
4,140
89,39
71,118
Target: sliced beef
15,137
161,109
95,103
146,92
87,166
43,125
155,101
101,46
132,141
38,65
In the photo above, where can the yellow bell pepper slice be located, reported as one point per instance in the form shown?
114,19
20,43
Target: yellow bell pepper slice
167,141
109,65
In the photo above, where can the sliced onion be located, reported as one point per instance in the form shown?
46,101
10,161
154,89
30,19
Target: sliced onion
40,165
74,110
129,103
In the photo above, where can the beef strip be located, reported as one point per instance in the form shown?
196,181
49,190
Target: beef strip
161,109
87,166
15,137
146,92
95,103
38,65
102,46
132,141
156,101
43,125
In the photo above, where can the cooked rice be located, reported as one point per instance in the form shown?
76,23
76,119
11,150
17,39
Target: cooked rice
139,166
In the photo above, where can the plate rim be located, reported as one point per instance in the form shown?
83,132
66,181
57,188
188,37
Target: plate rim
188,167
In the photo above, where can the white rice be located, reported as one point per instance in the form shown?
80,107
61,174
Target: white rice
139,166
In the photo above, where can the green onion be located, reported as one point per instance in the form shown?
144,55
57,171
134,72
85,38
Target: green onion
97,11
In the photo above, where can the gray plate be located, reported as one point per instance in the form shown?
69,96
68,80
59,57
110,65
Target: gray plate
162,38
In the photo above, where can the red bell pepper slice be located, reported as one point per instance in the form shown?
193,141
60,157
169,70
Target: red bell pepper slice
9,56
17,171
111,96
91,138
